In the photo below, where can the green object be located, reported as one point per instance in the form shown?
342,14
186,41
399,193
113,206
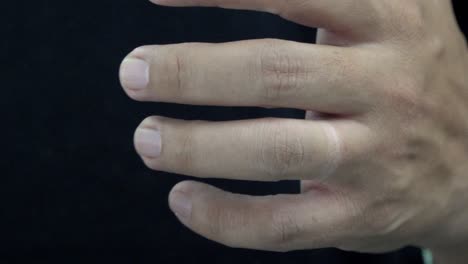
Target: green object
427,256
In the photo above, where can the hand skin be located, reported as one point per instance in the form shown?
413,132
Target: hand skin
382,155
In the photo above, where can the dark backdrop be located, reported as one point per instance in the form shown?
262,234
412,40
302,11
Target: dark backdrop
71,185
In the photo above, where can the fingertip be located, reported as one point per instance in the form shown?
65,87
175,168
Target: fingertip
184,186
191,188
181,204
134,73
181,199
162,2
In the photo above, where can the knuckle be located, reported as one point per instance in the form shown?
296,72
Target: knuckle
404,97
385,225
349,72
383,218
178,71
217,223
404,19
402,94
280,151
224,226
284,230
172,69
437,47
279,72
184,154
415,15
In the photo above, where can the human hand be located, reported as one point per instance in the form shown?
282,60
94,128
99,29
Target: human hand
382,156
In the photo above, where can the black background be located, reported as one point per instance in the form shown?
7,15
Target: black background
71,185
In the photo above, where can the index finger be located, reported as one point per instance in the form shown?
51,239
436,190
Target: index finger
336,15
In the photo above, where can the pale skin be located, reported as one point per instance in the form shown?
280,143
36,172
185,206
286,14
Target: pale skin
382,154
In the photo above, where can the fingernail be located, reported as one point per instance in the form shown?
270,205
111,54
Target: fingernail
181,205
134,74
148,142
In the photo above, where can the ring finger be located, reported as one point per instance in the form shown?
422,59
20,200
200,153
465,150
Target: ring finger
262,150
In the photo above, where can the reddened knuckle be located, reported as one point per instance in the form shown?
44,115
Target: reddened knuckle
216,223
279,72
404,97
170,65
403,20
224,225
383,217
184,154
179,73
377,226
415,15
403,94
348,71
284,231
437,47
280,151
